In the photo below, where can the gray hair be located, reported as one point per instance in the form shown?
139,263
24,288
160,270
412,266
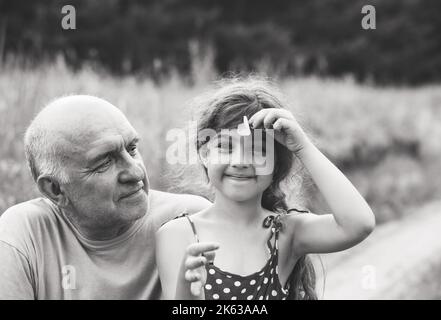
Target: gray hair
45,156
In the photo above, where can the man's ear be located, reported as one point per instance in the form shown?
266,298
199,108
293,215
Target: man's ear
50,187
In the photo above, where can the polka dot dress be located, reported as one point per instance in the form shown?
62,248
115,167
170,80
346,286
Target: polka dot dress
261,285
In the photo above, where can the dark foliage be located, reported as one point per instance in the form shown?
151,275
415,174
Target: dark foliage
291,36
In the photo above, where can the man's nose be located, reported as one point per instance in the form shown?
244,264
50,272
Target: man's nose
132,171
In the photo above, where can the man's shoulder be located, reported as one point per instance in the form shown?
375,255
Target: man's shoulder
191,202
21,218
38,208
168,205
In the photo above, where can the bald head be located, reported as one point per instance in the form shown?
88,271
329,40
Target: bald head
61,129
75,113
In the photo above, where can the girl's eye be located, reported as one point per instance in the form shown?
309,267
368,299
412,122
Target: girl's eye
259,150
225,146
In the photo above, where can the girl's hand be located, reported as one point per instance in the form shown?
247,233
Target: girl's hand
287,131
193,271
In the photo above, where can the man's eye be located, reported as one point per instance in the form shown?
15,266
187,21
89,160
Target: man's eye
133,150
103,166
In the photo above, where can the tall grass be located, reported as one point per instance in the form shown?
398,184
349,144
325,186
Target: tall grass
386,139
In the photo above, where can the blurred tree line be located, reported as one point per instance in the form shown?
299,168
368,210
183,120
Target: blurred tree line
321,37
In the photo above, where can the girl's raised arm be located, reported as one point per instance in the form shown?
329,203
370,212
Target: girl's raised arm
352,219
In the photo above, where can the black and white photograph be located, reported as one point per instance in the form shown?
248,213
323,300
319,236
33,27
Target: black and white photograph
189,150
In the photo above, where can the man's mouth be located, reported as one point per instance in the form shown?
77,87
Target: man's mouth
133,192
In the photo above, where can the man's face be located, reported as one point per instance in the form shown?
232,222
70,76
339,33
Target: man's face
108,180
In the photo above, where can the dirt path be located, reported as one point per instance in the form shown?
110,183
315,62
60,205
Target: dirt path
399,260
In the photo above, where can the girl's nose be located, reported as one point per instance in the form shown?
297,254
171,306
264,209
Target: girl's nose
240,165
241,159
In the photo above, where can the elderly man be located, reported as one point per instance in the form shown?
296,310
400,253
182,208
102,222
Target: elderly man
92,235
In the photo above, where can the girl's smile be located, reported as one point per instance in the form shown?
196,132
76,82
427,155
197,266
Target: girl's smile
240,180
240,176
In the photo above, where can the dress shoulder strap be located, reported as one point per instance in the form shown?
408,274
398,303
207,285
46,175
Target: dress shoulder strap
297,210
273,222
193,227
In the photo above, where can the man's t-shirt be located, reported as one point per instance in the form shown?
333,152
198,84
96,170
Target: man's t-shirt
42,256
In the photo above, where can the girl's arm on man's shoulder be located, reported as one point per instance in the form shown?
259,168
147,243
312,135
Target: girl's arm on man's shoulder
172,240
166,206
181,261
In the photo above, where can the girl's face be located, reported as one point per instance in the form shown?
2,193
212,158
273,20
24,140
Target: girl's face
233,165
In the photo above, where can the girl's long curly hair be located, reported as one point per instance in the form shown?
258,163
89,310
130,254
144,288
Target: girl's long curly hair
224,109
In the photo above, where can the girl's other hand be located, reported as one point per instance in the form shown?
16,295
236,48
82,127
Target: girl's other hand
193,265
287,131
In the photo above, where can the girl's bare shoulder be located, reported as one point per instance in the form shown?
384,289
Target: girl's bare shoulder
177,228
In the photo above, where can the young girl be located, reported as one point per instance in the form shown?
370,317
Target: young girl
248,244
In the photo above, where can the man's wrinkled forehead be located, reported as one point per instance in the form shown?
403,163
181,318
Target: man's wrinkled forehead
94,136
109,144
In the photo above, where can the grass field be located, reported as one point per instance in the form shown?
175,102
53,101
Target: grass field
387,140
